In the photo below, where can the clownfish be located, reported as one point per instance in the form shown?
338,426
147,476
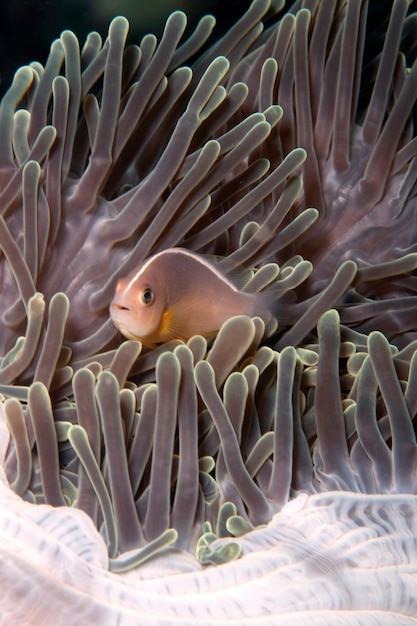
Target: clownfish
176,294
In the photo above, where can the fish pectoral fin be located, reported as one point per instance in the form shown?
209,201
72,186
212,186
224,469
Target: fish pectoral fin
172,326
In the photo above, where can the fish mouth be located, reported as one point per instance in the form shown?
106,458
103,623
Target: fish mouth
115,306
118,316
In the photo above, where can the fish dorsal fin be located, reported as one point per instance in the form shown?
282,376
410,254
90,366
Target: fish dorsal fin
236,274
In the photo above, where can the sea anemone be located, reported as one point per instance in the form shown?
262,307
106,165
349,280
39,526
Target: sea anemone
267,475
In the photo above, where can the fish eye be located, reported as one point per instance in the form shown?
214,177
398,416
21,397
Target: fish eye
147,296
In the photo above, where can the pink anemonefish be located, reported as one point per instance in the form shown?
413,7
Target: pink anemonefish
176,294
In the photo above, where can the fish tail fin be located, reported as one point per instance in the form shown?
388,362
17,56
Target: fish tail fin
277,308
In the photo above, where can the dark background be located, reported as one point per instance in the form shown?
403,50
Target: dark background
28,27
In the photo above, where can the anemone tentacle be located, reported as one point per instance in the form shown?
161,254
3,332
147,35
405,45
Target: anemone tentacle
278,457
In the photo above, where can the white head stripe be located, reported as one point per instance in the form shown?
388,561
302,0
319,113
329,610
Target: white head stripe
186,253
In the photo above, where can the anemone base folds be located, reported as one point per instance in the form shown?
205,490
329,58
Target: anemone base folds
325,559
